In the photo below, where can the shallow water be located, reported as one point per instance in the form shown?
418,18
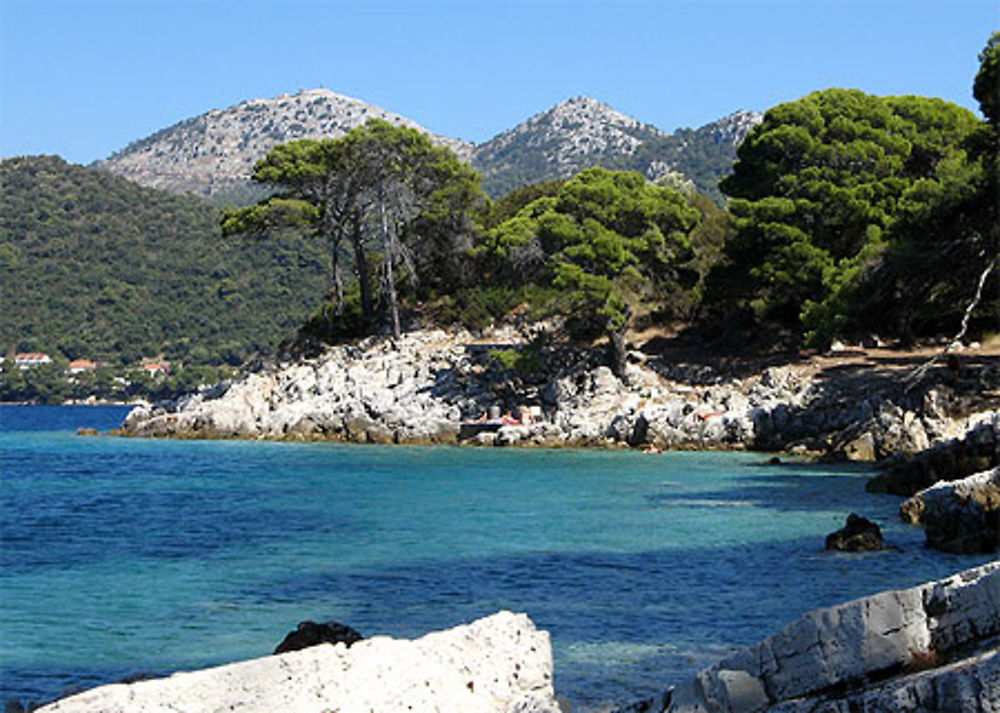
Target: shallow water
122,556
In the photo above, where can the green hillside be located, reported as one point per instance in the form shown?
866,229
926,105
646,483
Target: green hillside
94,266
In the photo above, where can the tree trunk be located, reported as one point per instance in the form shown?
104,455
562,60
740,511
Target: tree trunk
616,345
390,282
334,234
338,284
361,265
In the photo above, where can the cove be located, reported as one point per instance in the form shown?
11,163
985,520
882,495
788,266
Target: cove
122,556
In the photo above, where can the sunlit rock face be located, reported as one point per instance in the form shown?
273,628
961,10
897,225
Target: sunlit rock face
500,664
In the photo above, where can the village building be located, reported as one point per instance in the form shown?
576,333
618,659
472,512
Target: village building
156,368
29,360
78,366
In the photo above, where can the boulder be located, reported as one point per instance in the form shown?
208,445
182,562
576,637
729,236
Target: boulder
309,633
500,664
859,535
961,516
861,448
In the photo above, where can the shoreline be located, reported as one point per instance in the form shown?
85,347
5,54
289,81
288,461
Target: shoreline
425,387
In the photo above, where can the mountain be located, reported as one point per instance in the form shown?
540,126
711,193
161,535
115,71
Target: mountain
214,154
584,132
558,143
94,266
703,155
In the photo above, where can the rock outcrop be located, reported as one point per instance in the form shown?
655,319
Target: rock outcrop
859,534
420,388
961,516
929,648
954,459
500,664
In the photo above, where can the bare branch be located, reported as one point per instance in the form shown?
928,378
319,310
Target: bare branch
914,377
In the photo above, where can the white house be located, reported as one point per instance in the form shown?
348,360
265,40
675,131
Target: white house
29,360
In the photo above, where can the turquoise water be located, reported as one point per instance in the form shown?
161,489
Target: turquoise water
126,556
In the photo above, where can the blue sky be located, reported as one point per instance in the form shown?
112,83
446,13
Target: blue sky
83,78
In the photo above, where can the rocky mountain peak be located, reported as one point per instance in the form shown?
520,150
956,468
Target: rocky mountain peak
214,153
732,129
590,126
584,112
559,142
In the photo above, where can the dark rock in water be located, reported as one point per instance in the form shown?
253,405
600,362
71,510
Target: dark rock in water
87,432
859,535
310,633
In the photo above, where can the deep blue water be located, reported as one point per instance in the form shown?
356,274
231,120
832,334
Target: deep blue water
122,556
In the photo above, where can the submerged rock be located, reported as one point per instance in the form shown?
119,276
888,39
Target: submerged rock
859,535
500,664
309,633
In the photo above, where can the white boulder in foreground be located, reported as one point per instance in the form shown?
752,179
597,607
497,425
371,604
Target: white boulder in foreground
500,664
930,648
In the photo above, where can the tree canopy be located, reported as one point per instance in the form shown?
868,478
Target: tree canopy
610,237
388,191
986,86
818,186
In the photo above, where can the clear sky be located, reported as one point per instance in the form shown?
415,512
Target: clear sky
83,78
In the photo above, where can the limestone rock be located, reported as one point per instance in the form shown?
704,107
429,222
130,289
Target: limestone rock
929,648
961,516
421,387
500,664
976,451
861,448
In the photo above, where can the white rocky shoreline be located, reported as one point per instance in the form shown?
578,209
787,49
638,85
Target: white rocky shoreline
422,387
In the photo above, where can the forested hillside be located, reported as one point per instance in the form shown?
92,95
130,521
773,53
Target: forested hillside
94,266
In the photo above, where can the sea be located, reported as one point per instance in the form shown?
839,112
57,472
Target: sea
130,557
